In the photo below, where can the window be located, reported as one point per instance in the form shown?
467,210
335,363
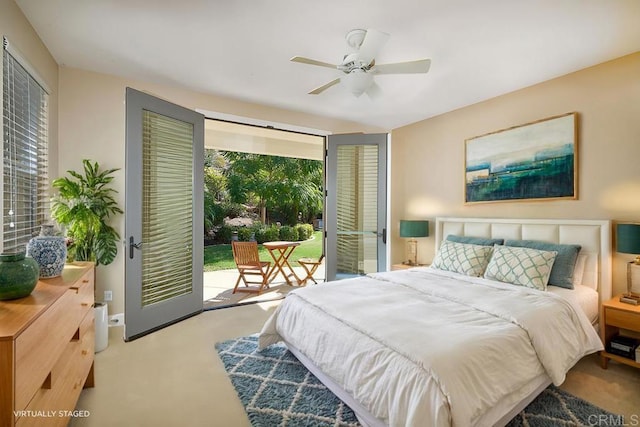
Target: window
25,199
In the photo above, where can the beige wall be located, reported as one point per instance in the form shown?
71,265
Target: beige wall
92,125
23,37
428,156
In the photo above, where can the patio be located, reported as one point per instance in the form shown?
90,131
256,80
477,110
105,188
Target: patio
218,288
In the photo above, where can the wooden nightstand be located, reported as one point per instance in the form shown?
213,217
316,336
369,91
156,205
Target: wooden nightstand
406,266
616,315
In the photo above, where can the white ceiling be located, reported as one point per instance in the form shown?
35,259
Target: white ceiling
241,48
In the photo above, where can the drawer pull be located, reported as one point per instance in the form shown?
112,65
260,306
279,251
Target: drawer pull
84,304
75,288
46,385
85,281
85,352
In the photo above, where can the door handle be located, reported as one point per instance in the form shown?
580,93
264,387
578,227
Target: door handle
383,235
133,246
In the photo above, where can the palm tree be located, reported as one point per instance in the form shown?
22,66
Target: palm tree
274,182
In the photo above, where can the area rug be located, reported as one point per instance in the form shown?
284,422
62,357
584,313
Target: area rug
277,390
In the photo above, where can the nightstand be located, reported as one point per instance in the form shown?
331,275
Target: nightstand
406,266
616,315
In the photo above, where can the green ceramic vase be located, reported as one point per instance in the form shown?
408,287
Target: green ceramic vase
18,275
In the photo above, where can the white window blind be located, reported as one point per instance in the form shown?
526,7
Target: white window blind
356,204
167,208
25,178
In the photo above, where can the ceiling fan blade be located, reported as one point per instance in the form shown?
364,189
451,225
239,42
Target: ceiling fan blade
309,61
371,45
374,92
324,87
410,67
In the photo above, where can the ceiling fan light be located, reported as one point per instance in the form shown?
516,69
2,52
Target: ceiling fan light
358,81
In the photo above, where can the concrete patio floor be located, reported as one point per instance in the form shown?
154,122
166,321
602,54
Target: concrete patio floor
218,287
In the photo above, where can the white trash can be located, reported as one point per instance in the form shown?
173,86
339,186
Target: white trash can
102,326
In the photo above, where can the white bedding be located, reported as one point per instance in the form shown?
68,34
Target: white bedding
583,296
425,347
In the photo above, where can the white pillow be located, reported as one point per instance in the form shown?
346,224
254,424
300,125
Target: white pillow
521,266
463,258
578,270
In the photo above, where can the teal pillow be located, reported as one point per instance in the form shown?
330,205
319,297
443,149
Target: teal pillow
562,271
474,240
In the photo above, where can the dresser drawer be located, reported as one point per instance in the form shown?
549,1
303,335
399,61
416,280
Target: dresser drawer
64,384
40,346
83,295
622,319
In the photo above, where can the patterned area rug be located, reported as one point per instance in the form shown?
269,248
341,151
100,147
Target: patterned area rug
277,390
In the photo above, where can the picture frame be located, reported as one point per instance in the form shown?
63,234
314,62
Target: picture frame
531,162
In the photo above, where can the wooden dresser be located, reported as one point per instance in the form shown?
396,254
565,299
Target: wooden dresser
46,349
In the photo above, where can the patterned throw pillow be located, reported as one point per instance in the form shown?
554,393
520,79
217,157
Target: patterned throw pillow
563,267
521,266
462,258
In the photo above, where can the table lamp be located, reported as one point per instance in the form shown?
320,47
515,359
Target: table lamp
628,242
413,229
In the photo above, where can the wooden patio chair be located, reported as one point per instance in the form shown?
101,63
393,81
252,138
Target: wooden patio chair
245,254
310,265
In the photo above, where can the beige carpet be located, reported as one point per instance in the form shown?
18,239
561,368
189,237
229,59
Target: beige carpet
174,376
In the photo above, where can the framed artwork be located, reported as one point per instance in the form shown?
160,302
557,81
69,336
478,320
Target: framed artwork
535,161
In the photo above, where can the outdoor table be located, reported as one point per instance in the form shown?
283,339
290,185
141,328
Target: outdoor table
280,252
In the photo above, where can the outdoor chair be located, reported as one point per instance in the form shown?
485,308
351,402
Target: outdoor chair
310,265
245,254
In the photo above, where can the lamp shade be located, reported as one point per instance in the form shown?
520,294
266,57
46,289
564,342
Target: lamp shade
628,238
414,228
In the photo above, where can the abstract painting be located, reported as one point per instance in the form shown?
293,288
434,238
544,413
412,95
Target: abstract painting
535,161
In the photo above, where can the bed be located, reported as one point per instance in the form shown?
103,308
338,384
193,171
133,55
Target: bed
440,347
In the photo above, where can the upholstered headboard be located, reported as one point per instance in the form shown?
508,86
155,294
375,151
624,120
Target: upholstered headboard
593,235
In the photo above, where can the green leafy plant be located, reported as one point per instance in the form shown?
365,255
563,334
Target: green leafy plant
83,206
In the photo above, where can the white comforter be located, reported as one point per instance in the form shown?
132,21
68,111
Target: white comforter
423,347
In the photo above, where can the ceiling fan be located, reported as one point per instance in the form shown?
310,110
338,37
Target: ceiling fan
360,66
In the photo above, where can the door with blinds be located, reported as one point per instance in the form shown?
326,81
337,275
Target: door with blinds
163,213
356,205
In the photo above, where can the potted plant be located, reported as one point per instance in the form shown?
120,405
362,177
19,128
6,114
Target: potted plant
83,207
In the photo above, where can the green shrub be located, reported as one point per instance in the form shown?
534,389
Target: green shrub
260,233
245,234
271,234
288,233
265,233
213,213
224,233
305,231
